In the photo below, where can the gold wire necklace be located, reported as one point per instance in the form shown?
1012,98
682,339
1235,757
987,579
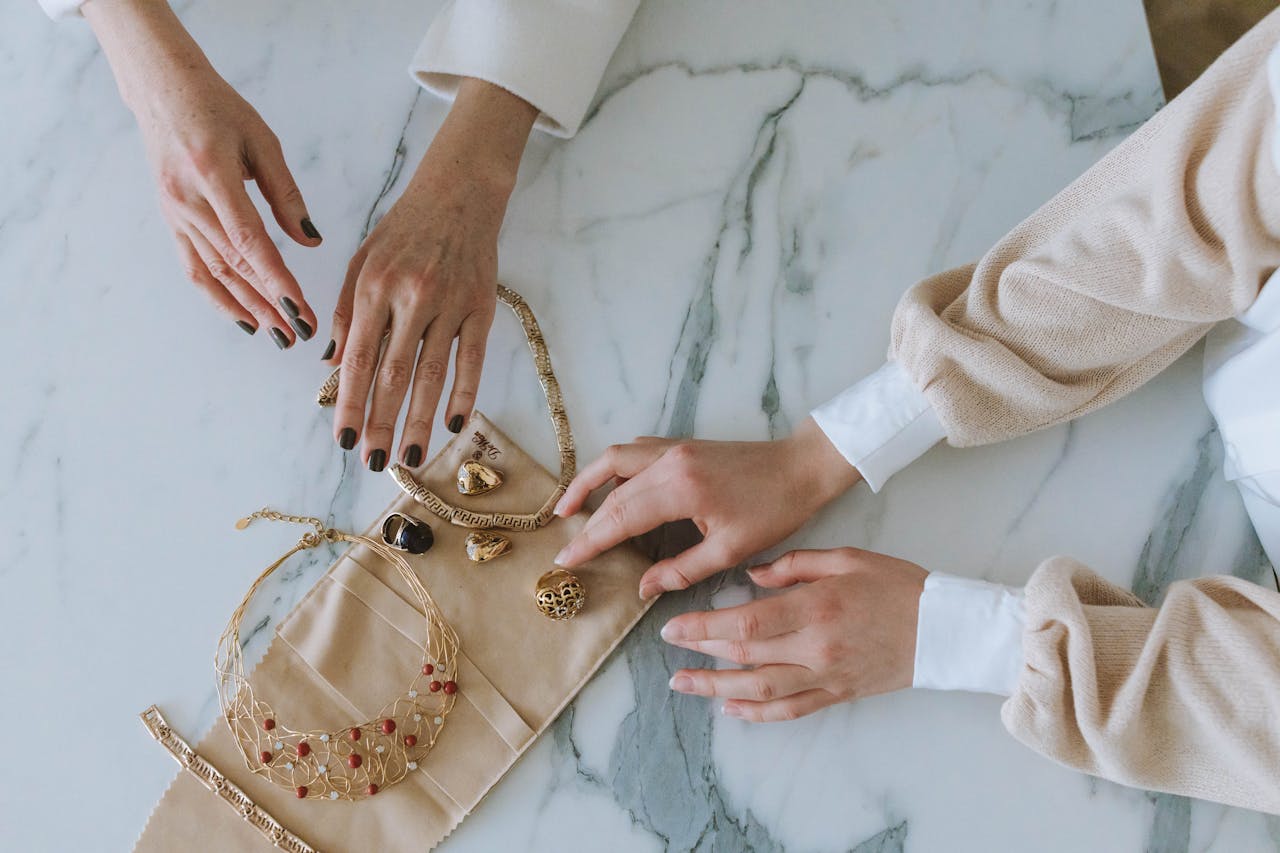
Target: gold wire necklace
361,759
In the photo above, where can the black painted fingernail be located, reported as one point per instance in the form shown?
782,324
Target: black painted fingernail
247,328
290,307
300,326
310,229
455,424
281,339
347,438
328,351
413,456
377,460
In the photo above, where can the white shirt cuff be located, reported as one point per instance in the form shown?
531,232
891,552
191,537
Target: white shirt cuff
62,8
881,425
551,53
969,635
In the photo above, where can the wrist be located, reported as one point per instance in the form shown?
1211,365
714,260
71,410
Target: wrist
484,136
820,473
145,45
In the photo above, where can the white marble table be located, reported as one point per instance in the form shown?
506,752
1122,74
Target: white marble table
718,250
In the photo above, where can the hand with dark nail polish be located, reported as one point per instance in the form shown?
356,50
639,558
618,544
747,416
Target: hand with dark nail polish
280,338
347,438
377,460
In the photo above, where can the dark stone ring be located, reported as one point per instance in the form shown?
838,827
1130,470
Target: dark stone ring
407,534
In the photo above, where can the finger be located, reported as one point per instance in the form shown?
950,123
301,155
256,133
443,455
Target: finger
246,236
391,383
343,312
779,710
198,274
633,508
468,364
762,684
766,617
428,385
785,649
264,315
805,567
620,460
271,172
359,361
685,569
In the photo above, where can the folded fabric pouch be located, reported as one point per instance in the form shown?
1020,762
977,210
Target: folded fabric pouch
354,641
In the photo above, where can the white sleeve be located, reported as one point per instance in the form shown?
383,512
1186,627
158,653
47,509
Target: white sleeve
881,425
61,8
552,53
969,636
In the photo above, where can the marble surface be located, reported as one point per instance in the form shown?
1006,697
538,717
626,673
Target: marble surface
718,250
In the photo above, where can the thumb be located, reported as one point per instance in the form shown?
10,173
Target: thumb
281,191
796,567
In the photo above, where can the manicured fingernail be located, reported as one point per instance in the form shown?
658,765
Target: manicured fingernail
649,590
681,683
730,711
455,424
560,505
281,339
413,456
347,438
290,307
563,555
377,460
247,328
671,632
301,327
309,229
328,351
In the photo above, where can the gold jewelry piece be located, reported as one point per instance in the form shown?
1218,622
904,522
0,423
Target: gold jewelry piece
484,545
560,595
477,478
404,478
359,760
407,534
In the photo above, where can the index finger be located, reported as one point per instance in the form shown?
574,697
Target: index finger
248,236
633,508
755,620
620,460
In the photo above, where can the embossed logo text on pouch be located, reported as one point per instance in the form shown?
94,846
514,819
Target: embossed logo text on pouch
484,446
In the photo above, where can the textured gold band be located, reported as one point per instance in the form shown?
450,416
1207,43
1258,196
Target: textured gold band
219,784
404,478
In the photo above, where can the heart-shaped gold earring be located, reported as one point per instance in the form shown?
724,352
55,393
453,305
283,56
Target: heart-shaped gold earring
475,478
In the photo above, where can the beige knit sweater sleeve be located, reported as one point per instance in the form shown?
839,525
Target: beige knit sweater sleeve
1183,699
1118,275
1090,297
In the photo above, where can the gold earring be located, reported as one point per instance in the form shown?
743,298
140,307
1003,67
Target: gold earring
560,595
476,478
485,545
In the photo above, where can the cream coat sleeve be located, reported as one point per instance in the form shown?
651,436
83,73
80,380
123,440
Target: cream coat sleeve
1113,279
552,53
1182,699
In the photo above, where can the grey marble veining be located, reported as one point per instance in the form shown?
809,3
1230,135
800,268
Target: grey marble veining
718,250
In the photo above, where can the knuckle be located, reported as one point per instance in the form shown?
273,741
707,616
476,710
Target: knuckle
221,270
360,359
470,355
683,455
762,689
828,652
203,158
739,652
394,374
243,236
617,514
341,317
787,713
380,427
432,370
417,425
748,624
171,185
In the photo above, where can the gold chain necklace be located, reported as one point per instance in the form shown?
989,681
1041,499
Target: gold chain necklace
360,760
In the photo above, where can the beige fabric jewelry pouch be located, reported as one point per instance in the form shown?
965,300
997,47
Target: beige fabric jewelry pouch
353,641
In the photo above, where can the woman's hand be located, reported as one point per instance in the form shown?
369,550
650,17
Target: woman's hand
204,141
745,496
425,275
848,632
